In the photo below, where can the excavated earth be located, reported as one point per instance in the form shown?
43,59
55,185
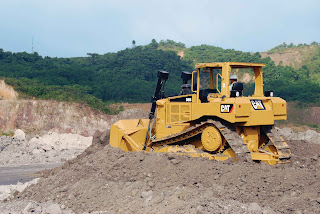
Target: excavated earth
107,179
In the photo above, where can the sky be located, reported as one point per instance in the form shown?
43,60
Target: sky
71,28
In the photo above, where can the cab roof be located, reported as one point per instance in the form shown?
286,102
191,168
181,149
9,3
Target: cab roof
219,65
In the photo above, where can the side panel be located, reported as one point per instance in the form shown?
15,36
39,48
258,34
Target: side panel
172,117
178,112
279,106
223,109
249,111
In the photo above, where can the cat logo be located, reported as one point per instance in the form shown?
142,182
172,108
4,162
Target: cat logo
257,105
226,108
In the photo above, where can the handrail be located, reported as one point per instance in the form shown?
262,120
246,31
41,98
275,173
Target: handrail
217,82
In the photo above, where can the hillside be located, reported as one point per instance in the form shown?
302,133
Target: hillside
295,57
300,56
130,75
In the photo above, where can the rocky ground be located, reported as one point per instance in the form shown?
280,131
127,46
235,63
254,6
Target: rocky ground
309,136
107,180
50,148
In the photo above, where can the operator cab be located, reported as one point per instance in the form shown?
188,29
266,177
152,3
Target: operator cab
211,80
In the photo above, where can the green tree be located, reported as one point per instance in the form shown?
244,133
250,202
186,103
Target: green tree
93,56
154,43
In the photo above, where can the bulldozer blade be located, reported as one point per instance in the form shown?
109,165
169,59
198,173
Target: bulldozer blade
129,135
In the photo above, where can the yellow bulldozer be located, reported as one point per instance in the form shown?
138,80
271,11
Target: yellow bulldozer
210,118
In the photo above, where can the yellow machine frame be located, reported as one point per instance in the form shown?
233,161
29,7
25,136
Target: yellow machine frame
179,114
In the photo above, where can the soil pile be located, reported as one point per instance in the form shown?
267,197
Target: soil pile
107,179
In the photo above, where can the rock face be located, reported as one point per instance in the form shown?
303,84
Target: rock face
7,92
40,117
295,57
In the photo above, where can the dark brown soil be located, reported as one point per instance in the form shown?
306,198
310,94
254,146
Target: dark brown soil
108,179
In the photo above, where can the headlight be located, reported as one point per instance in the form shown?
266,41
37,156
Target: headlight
268,93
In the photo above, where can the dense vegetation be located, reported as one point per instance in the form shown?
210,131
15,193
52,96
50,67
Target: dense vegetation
171,45
308,56
285,46
130,75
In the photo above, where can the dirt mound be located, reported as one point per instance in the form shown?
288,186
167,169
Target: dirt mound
108,179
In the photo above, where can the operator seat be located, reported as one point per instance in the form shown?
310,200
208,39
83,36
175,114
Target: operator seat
237,89
185,89
203,94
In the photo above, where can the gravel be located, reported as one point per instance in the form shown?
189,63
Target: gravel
50,148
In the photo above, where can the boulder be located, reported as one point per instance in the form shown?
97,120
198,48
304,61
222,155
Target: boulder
47,147
53,209
254,208
19,135
312,137
101,138
287,132
29,208
146,194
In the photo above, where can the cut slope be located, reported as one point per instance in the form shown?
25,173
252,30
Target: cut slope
41,116
7,92
295,57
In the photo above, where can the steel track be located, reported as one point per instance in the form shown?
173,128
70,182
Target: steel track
277,140
227,131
